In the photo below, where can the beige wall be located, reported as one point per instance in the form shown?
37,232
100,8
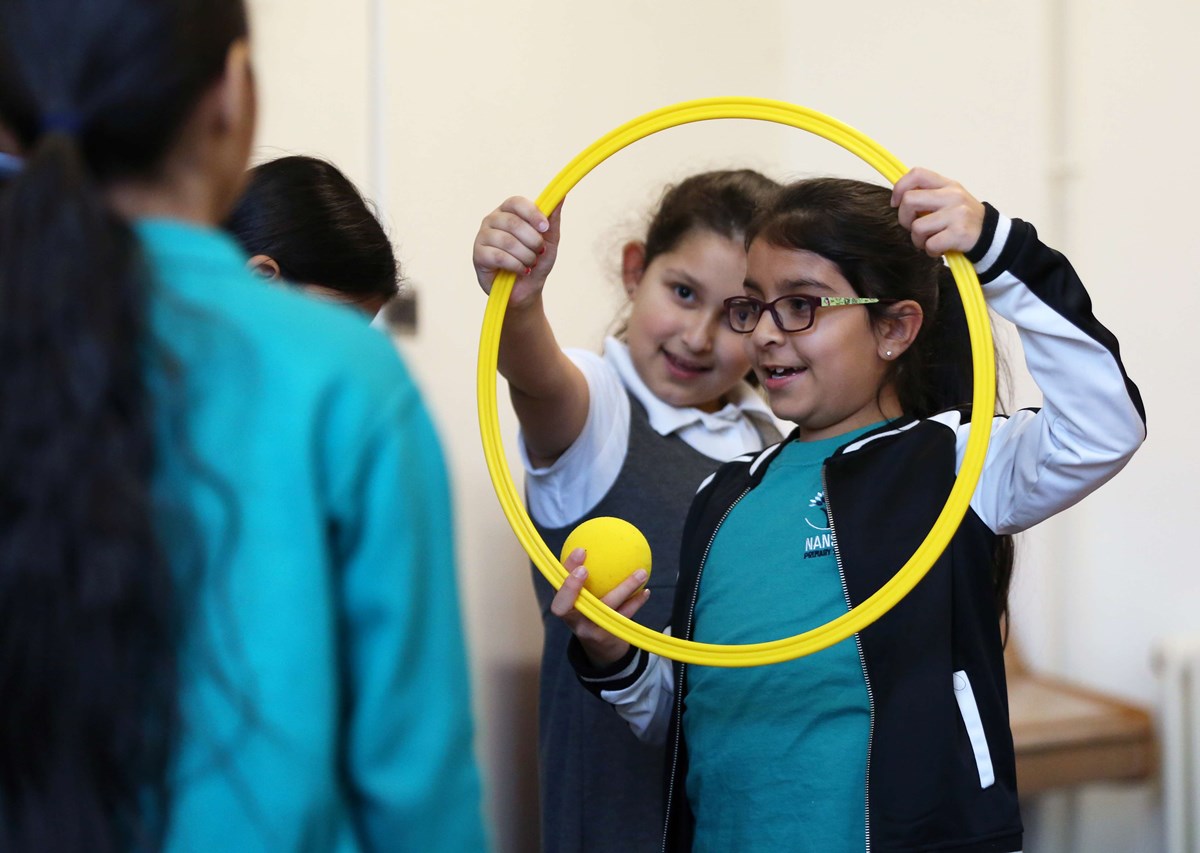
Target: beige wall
1054,111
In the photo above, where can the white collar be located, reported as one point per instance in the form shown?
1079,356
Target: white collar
742,400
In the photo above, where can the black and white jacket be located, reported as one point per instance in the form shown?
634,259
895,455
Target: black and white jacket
940,767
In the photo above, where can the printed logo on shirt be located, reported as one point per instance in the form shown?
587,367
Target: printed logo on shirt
820,544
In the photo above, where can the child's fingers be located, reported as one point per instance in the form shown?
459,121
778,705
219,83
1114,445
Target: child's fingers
548,249
575,559
939,213
917,178
555,225
493,259
563,604
506,242
527,211
511,238
619,594
954,229
634,604
512,233
922,190
915,204
489,261
600,646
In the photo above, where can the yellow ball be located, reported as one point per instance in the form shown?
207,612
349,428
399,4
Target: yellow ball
615,550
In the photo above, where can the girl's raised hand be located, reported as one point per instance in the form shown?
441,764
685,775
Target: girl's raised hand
602,647
941,216
517,238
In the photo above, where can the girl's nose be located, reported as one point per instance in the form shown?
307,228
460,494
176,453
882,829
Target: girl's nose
698,337
766,333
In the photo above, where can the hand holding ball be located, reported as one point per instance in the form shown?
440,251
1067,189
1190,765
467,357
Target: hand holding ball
615,550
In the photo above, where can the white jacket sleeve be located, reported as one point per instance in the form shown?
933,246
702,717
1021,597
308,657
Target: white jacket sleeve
640,687
1040,462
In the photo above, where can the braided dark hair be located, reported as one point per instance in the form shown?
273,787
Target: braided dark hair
91,93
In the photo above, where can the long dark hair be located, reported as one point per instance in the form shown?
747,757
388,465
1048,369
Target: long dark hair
311,220
853,224
93,93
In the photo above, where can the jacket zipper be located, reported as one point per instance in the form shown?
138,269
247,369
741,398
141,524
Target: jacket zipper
687,635
862,660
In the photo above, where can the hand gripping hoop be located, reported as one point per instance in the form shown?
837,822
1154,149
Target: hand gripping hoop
983,402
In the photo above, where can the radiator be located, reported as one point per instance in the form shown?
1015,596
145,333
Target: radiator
1178,665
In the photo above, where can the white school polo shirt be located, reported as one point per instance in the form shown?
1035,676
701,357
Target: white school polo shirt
565,491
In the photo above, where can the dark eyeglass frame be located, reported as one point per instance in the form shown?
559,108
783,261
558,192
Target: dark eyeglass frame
814,302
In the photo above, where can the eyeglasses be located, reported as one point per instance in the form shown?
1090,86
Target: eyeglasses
792,313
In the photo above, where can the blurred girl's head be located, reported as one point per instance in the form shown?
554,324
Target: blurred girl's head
301,220
120,81
906,353
692,259
118,108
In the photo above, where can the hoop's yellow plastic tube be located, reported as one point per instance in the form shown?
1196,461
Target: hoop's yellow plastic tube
983,402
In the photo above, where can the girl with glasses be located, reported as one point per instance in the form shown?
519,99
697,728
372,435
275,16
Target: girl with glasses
896,738
630,434
228,619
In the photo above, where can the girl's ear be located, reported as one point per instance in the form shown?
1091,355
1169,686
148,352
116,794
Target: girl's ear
897,328
264,267
238,103
633,265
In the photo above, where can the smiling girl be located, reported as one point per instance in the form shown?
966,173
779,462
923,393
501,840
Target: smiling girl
629,434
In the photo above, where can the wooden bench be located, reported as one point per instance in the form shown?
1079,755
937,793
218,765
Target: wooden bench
1067,735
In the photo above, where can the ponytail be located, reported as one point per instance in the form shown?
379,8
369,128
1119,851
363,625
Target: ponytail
87,661
91,94
947,369
938,373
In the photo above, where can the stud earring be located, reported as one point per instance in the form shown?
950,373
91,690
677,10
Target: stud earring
888,354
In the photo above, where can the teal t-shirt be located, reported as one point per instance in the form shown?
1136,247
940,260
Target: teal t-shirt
304,506
778,753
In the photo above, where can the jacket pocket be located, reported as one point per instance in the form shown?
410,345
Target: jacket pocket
974,725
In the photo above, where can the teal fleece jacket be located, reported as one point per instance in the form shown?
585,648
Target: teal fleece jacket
305,510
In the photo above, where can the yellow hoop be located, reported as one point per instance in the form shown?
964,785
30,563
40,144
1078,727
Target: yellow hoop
983,402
